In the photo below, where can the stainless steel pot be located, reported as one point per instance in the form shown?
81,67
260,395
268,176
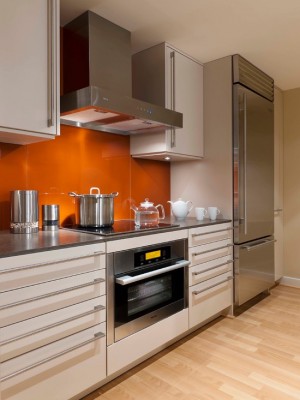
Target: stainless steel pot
94,210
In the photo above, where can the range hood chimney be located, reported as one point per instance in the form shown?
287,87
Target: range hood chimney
97,81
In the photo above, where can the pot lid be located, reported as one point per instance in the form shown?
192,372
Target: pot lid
91,194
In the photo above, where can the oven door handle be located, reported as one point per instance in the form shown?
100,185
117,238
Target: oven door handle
127,279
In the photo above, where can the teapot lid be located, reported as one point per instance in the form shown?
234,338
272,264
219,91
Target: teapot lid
146,203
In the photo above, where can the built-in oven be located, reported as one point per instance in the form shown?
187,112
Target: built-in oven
145,285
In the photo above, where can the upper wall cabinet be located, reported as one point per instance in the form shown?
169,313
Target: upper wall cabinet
165,76
29,72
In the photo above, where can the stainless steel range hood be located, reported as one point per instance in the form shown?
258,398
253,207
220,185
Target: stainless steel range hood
97,81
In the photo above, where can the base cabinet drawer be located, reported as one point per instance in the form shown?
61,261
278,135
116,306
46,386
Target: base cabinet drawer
28,335
209,298
203,272
210,251
20,304
31,269
57,371
134,347
210,234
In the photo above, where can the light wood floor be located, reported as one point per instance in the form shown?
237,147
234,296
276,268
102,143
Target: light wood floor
253,356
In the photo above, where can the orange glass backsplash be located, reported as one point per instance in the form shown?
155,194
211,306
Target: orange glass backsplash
75,161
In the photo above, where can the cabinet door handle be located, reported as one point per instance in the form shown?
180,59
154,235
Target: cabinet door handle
58,292
196,292
208,233
8,270
51,37
211,268
278,210
173,133
54,325
208,251
97,336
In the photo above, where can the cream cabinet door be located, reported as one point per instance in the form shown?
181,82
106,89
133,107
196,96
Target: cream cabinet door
184,80
29,76
166,76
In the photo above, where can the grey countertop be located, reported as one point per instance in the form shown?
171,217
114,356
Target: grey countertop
18,244
13,244
188,223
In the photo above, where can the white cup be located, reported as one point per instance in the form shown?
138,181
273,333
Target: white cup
201,212
213,212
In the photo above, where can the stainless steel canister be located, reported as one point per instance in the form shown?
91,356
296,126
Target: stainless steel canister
50,217
24,211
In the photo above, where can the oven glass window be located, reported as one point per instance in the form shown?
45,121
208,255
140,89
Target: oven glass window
146,295
139,298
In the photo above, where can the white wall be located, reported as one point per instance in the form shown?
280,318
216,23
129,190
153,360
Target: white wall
209,182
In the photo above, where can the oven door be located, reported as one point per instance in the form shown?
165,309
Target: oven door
144,298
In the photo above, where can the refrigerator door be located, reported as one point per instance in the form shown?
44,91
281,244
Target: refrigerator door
254,269
253,167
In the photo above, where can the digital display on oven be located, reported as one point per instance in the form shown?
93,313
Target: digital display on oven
154,255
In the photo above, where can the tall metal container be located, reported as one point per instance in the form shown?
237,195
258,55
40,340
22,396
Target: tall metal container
24,211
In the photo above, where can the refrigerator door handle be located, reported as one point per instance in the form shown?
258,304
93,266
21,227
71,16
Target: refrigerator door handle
245,164
254,246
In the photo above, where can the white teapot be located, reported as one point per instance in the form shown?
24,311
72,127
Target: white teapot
180,209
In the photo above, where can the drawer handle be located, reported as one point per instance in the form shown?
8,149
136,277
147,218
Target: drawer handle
97,336
208,251
54,325
5,271
211,268
45,296
208,233
196,292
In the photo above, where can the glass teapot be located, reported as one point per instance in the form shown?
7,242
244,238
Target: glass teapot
147,214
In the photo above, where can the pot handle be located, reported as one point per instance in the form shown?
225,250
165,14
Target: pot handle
94,188
73,194
114,194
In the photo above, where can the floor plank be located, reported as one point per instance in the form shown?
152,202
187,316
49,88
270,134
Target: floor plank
253,356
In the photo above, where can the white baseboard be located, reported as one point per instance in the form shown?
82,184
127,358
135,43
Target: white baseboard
288,281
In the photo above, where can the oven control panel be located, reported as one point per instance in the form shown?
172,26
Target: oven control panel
153,255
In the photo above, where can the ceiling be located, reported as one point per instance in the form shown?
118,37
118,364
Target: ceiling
266,32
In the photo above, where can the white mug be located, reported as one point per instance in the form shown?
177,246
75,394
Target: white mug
213,212
201,212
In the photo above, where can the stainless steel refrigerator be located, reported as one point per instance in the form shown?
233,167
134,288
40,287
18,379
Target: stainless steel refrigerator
253,180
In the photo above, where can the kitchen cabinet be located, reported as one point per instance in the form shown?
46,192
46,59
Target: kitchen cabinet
210,272
127,352
165,76
29,78
53,323
278,183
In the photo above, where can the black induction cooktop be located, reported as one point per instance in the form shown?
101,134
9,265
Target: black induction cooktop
119,227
